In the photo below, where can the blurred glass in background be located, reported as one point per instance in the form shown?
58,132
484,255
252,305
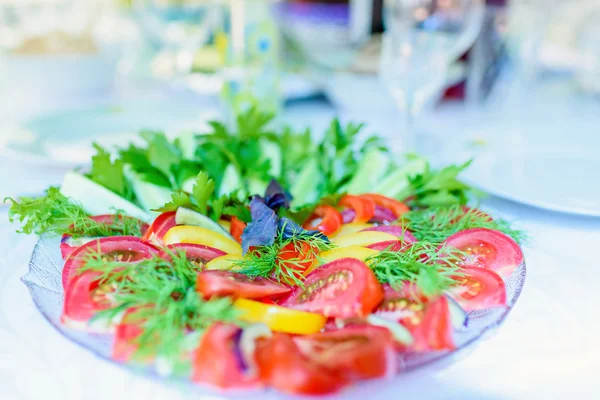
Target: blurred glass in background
65,47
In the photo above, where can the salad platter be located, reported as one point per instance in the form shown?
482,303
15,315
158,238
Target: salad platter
250,259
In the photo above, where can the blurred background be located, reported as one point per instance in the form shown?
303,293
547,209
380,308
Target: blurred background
513,83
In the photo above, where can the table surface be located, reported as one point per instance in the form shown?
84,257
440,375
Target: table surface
546,349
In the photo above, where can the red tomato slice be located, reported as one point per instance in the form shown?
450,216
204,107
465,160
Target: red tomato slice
159,227
428,320
396,207
121,248
218,361
479,289
359,352
283,366
326,219
68,245
487,248
126,334
198,254
342,288
237,228
296,258
388,245
225,283
363,207
84,297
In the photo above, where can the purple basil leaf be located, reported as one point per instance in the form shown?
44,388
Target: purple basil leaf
289,229
276,197
263,228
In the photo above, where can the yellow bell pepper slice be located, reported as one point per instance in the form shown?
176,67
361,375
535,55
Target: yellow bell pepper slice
225,224
360,253
280,319
225,262
199,235
350,228
362,238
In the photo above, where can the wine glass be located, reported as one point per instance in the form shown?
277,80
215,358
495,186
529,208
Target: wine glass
177,28
422,39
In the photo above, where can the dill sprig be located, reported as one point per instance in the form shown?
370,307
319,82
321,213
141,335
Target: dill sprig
56,214
432,268
266,261
169,310
438,223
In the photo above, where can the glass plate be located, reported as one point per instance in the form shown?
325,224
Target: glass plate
45,285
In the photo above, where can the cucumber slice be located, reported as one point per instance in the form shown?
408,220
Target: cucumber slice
96,199
373,167
149,195
304,189
400,333
256,186
231,180
396,184
272,152
458,316
185,216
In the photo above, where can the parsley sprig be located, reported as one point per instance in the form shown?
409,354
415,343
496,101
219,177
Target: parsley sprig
202,199
56,214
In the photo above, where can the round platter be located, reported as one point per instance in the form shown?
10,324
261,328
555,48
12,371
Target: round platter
45,285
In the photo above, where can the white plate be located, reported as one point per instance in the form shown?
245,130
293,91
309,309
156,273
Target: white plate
564,181
65,139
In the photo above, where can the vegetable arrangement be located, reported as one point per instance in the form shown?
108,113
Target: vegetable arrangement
248,257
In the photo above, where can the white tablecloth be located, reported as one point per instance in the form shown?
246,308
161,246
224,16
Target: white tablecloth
547,348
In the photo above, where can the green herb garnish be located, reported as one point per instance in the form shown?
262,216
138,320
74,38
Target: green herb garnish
56,214
109,173
436,224
267,261
166,305
432,268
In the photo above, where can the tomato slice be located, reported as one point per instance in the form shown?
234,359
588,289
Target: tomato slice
296,258
218,361
283,366
487,248
363,207
326,219
225,283
237,228
359,352
118,248
159,227
203,236
342,288
197,254
84,297
428,320
126,334
478,289
280,319
396,207
68,244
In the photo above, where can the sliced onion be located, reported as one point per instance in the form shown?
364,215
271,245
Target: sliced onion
382,215
398,331
348,215
458,316
246,345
